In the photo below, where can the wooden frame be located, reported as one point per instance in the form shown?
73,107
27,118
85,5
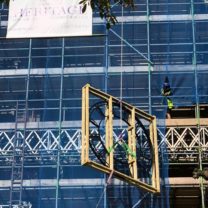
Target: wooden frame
87,90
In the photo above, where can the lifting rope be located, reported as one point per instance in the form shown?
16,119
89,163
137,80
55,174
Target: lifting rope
105,188
140,201
121,73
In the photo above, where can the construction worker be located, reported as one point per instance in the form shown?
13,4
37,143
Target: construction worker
166,92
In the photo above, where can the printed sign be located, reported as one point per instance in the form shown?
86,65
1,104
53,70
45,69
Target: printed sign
48,18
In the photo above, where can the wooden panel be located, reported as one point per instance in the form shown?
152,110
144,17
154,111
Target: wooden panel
186,122
154,184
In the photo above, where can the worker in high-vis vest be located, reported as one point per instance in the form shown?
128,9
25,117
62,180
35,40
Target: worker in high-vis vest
170,107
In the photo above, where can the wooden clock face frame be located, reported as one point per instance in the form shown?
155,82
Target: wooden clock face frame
120,139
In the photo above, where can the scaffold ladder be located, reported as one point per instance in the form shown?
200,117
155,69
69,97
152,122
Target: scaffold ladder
18,156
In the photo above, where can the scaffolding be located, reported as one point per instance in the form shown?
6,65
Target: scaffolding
40,105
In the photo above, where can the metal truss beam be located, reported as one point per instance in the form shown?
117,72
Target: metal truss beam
41,145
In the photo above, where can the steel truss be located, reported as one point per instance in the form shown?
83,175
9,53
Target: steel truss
182,144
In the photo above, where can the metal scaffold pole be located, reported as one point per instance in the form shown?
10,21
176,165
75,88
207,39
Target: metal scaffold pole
149,78
149,58
60,124
17,172
194,63
106,90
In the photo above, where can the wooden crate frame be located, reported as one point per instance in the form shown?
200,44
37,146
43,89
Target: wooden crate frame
85,160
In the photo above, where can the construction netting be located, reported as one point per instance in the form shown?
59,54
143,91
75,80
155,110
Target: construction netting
40,100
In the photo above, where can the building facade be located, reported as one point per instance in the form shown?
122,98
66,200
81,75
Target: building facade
41,82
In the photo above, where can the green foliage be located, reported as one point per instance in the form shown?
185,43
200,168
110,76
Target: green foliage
104,7
4,1
200,173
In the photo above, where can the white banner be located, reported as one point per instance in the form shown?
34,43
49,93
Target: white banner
48,18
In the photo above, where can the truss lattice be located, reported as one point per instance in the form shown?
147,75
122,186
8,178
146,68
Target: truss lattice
181,144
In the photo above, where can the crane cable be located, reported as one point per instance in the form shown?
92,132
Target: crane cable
121,72
121,95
